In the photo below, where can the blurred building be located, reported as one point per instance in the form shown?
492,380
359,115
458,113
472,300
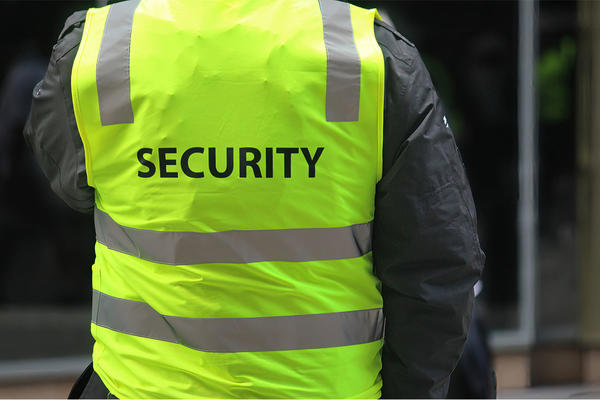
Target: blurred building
521,84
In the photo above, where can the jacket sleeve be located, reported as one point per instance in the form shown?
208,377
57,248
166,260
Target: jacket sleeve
51,131
425,245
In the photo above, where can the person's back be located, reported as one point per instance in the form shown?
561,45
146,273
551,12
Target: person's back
258,197
234,153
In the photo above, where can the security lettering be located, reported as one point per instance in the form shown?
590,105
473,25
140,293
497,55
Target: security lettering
251,162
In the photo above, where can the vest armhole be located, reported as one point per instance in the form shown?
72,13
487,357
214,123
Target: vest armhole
380,94
75,96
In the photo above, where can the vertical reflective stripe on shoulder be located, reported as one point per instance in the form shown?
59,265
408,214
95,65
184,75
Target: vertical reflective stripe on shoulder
112,67
343,62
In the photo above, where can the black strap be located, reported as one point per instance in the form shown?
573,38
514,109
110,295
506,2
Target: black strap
81,383
90,386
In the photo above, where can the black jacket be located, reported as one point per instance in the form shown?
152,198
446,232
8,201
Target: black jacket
425,246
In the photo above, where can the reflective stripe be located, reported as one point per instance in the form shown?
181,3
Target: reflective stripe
112,67
231,335
343,62
185,248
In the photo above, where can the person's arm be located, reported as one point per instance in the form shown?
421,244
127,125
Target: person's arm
51,131
425,246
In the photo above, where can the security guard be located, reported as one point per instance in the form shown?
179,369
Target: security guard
268,181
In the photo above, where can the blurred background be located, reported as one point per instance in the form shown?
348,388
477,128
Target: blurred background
521,83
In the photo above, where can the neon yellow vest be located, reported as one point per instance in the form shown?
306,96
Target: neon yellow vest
234,147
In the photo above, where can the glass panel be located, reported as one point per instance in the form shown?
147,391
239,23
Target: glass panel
557,283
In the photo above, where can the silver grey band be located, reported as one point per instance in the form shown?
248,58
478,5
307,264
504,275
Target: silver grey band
186,248
343,62
232,335
112,67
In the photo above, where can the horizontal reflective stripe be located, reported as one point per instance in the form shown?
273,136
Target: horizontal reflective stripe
112,67
343,62
185,248
232,335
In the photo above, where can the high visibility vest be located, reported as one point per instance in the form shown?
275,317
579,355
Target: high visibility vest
234,147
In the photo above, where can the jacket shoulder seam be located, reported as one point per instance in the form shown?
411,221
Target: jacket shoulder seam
74,19
397,34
